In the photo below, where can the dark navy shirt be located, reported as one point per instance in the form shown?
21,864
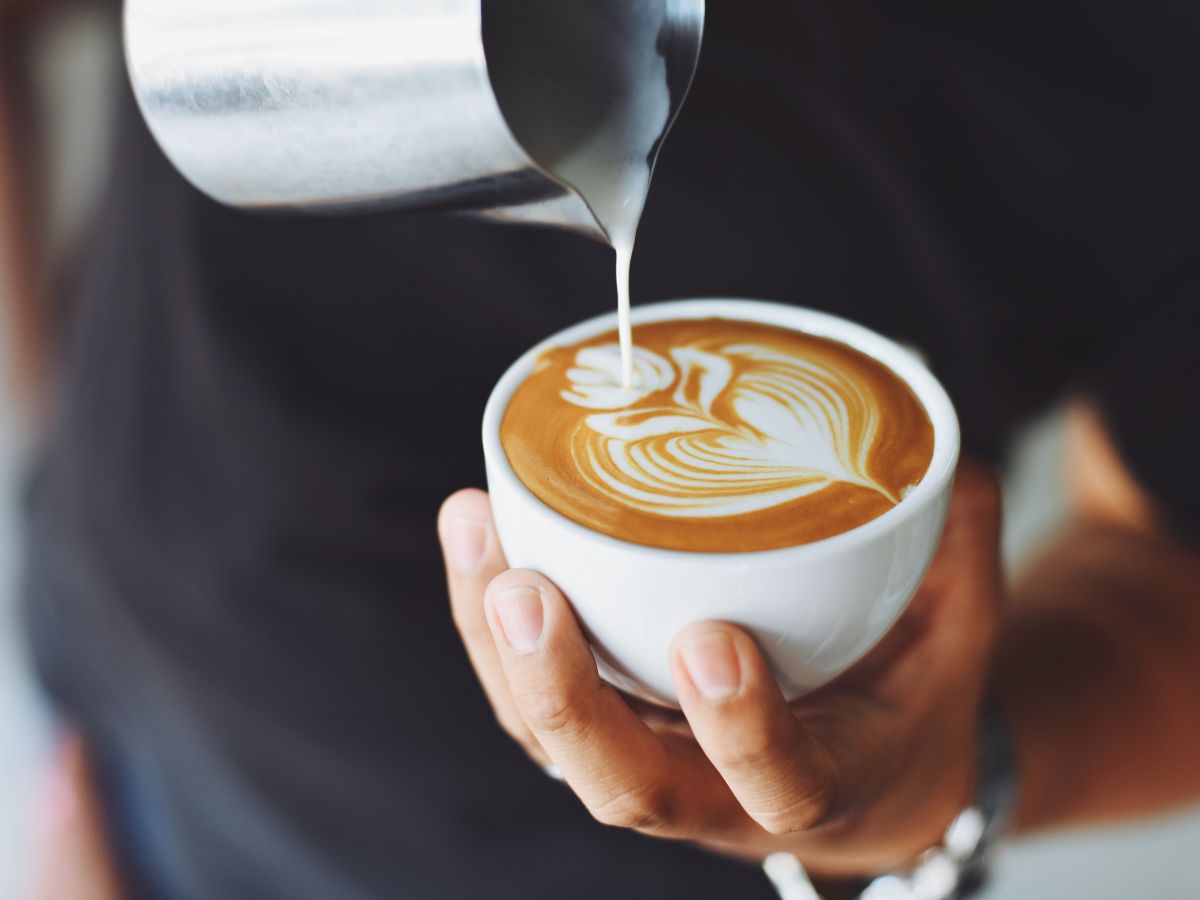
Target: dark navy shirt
235,587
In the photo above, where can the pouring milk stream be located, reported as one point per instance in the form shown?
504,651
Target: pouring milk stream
523,111
591,110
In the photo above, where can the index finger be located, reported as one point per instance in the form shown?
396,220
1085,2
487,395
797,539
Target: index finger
626,775
473,558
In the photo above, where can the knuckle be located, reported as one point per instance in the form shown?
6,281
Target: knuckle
642,807
757,749
551,712
781,796
798,812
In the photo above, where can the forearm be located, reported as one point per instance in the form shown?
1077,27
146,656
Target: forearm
1098,669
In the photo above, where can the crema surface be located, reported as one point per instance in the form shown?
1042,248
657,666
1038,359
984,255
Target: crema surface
735,436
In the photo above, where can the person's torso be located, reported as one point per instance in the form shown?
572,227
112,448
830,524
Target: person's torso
234,561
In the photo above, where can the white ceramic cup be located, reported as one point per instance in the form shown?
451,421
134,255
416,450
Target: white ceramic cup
815,609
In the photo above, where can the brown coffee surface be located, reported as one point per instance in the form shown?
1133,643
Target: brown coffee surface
736,436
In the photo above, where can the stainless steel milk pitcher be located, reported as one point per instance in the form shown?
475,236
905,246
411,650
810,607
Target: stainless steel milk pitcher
357,105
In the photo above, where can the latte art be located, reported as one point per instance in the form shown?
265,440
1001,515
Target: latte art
727,426
747,429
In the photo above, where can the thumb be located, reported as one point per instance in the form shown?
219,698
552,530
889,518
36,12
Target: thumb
780,774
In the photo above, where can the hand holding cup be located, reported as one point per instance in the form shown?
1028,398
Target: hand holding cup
856,777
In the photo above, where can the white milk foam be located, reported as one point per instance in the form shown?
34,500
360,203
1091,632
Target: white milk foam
789,428
584,88
624,250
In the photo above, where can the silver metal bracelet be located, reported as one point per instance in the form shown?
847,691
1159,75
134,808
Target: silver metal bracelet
959,868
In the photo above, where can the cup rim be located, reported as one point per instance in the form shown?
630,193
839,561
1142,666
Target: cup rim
904,363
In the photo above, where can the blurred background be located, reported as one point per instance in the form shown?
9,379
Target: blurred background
76,51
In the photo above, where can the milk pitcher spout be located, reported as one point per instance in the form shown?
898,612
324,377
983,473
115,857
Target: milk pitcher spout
494,107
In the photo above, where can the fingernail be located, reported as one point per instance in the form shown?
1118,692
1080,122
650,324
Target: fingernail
466,543
712,663
520,613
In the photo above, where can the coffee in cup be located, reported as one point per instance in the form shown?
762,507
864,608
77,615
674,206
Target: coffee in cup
734,436
774,467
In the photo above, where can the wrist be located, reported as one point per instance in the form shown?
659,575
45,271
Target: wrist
955,866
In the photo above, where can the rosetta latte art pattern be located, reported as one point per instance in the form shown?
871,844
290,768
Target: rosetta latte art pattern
748,428
734,436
